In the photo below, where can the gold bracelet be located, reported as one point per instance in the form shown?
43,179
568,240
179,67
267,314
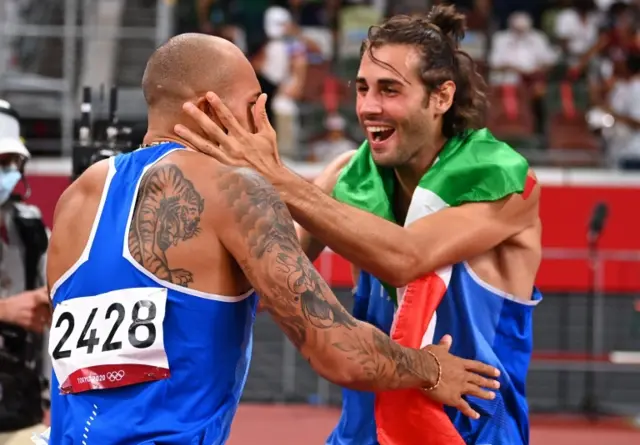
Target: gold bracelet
431,388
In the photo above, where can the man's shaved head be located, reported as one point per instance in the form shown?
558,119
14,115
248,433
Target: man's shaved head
188,66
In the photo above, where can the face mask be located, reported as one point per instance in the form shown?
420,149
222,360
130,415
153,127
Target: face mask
9,178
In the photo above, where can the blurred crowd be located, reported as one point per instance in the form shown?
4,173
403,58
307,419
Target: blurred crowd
563,74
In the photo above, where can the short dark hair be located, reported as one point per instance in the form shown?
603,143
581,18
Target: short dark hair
437,35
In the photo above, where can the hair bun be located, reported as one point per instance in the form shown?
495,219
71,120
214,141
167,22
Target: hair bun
452,23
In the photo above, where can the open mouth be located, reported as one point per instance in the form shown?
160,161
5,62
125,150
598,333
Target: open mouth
380,134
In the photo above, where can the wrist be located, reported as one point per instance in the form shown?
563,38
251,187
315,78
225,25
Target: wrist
435,358
429,370
282,179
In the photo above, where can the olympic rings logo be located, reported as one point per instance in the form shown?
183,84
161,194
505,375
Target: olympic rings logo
115,376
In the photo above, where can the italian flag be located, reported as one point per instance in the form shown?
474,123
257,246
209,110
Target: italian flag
471,167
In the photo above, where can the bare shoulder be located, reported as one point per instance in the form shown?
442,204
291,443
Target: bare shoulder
520,209
221,184
329,176
75,209
340,161
87,187
246,204
255,211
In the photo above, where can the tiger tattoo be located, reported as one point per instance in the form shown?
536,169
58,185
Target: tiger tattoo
168,210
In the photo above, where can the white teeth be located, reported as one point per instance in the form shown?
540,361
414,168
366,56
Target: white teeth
378,129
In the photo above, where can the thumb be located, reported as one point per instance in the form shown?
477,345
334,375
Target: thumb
446,341
260,114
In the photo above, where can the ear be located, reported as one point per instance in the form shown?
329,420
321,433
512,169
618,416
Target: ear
443,97
203,104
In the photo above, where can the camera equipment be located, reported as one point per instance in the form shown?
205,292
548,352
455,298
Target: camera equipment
102,138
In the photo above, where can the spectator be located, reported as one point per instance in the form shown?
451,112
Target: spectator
618,40
335,142
624,105
285,66
521,56
577,28
24,302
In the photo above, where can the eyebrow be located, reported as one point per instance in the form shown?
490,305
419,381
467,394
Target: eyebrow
383,81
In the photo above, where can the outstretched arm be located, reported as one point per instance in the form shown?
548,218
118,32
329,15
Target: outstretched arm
256,227
326,181
396,254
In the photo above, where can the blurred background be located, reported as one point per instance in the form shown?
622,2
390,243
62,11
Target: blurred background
565,91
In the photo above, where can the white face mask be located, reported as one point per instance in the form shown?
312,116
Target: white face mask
9,178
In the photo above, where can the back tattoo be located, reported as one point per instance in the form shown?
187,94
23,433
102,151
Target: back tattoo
168,210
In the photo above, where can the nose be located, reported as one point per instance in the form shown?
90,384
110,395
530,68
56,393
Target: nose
368,104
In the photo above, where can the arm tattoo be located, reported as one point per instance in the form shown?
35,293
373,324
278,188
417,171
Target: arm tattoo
167,211
297,296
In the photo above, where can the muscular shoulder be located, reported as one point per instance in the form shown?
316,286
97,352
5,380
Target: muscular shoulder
329,176
520,210
251,212
87,187
221,185
254,211
242,200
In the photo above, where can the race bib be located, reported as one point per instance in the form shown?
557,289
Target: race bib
109,340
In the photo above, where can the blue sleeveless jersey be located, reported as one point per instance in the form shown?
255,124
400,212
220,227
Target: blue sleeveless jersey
487,325
207,339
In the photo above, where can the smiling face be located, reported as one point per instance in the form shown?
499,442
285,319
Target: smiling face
398,115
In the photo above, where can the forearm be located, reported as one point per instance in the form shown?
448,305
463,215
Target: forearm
343,350
369,242
365,359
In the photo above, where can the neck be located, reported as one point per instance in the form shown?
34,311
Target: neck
410,174
154,135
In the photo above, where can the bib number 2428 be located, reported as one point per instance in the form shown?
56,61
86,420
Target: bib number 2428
116,313
117,333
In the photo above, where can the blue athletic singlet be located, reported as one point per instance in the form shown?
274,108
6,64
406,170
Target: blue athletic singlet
170,363
487,325
357,425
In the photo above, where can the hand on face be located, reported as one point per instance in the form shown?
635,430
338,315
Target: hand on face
235,146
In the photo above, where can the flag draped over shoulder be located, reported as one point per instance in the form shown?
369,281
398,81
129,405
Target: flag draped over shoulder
471,167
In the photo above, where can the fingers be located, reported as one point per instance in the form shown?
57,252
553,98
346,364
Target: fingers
41,296
482,381
446,341
201,144
44,315
481,368
465,409
260,116
473,390
223,113
211,129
